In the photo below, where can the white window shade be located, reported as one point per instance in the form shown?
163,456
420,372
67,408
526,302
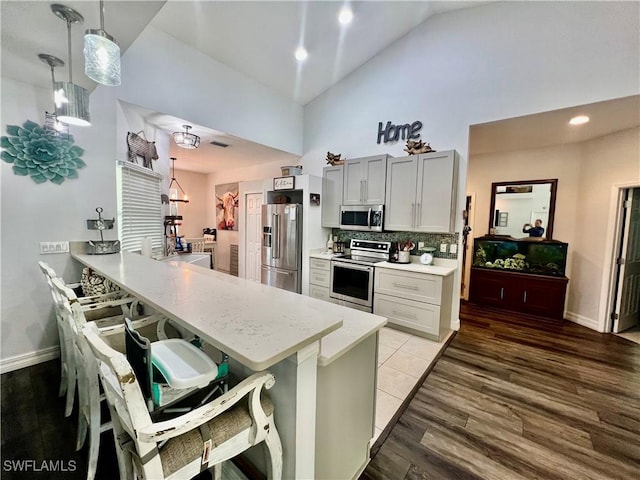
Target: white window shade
139,207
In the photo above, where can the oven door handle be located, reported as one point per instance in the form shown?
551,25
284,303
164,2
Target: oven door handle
353,266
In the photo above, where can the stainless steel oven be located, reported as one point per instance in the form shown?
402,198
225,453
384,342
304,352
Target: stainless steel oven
352,275
352,283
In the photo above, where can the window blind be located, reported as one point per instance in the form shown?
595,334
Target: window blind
139,207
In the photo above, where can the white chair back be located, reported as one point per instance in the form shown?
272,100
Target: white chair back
159,450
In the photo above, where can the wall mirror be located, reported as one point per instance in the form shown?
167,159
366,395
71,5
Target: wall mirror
519,203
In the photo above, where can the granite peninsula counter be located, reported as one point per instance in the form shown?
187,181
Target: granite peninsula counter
312,347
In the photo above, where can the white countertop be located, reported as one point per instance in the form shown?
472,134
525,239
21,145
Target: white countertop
442,270
325,255
356,326
256,324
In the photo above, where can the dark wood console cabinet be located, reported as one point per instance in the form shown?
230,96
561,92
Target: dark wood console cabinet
539,295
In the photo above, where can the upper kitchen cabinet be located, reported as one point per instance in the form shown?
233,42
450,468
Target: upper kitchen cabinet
331,196
421,192
364,180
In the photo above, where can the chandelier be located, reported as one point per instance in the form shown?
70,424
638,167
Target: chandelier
186,139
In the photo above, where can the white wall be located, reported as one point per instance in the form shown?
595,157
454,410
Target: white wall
496,61
164,75
608,161
32,213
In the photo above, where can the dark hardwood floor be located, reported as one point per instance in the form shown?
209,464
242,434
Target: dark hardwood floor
37,441
515,397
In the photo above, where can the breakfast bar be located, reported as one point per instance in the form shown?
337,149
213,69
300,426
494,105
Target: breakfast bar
299,339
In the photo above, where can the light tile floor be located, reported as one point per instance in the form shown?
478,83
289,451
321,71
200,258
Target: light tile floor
402,359
632,334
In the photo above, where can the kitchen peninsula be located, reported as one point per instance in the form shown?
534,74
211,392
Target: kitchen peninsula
321,354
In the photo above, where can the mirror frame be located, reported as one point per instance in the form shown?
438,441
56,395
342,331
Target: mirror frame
552,201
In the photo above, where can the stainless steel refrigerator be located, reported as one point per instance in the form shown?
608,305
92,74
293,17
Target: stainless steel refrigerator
282,246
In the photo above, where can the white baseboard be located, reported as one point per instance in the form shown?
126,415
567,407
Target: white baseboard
28,359
455,324
582,320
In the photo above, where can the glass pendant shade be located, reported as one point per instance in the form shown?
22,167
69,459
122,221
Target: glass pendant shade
186,139
101,58
72,104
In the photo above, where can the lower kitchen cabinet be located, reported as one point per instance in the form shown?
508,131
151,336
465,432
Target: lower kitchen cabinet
419,302
319,277
539,295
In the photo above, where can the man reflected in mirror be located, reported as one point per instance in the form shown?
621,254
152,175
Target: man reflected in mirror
534,230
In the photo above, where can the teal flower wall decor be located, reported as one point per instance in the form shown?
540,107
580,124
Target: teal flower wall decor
41,153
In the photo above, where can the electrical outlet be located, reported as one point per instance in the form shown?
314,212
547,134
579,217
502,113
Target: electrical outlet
54,247
453,248
420,245
443,248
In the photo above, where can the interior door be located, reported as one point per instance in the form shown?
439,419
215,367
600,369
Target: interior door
627,308
254,236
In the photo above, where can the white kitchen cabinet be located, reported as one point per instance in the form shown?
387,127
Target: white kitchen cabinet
364,180
331,196
419,302
421,192
319,277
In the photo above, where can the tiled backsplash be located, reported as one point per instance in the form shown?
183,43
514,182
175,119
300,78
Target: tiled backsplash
429,239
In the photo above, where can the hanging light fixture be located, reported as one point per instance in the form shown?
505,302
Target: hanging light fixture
173,197
51,121
72,101
186,139
101,55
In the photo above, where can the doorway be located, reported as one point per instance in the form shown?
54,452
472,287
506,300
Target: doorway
253,230
626,279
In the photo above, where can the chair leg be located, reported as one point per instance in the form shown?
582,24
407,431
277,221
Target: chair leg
64,366
71,389
83,401
94,428
274,449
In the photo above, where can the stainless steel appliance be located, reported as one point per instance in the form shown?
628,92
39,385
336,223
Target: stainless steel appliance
367,218
352,275
282,246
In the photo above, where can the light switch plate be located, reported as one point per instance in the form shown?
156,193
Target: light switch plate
453,248
420,245
443,248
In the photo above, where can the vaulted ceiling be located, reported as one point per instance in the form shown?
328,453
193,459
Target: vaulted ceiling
258,39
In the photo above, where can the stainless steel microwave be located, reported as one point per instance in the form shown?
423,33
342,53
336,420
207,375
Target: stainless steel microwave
367,218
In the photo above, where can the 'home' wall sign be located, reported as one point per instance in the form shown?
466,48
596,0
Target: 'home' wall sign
392,133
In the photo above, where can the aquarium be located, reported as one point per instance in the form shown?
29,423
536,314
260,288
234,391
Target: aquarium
542,257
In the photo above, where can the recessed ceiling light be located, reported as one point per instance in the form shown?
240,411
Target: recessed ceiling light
345,16
301,54
579,120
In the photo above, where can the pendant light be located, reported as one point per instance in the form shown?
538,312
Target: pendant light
51,121
101,55
174,198
186,139
72,101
